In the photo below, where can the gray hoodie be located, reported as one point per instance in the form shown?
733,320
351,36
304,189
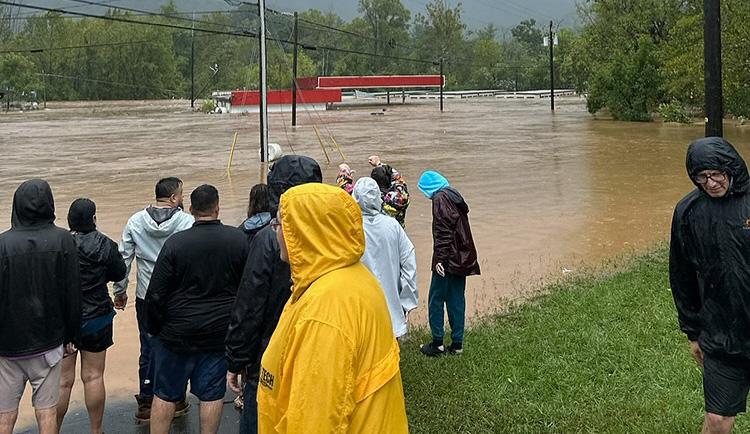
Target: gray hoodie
143,238
389,254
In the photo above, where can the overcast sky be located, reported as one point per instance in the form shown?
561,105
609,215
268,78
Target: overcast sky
477,13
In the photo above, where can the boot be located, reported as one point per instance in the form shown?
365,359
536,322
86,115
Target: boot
181,408
143,413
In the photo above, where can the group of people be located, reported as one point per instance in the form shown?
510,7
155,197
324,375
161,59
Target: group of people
299,310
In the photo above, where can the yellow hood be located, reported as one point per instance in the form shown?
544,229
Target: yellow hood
320,239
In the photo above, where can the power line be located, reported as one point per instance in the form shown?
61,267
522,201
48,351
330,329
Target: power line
72,47
244,33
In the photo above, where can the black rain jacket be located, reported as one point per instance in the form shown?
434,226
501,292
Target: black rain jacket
100,262
709,257
267,281
192,289
40,293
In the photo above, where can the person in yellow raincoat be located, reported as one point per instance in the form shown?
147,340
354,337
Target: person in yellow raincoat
332,365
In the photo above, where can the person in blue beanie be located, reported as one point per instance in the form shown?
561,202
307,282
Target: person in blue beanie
454,257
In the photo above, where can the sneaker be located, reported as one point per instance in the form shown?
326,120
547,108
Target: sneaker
432,349
143,413
181,408
456,348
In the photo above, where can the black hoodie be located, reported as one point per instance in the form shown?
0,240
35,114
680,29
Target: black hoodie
709,258
266,282
40,296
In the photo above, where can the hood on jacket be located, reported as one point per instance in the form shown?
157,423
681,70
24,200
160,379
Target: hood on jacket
367,194
323,232
715,153
33,204
431,182
456,198
81,215
256,222
160,222
290,171
93,246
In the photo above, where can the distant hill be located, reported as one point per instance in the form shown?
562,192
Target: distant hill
477,13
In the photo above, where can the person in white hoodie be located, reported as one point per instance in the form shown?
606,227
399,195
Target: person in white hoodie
389,254
142,240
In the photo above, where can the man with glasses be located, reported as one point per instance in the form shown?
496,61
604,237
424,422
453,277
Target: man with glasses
709,271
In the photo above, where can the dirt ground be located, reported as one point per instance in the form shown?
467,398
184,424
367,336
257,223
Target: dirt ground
547,192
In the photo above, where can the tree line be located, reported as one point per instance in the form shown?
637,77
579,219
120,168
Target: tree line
630,57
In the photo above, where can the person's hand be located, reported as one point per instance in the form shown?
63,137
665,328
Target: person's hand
233,381
696,352
70,349
439,269
121,300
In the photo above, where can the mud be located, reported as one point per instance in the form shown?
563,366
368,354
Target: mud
547,191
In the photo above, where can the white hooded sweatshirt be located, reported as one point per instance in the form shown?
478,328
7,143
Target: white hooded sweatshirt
143,238
389,254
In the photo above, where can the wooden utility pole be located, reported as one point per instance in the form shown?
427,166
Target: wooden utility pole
263,84
294,70
551,68
714,99
442,84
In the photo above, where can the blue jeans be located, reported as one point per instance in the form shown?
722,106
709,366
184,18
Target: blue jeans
448,291
145,361
249,417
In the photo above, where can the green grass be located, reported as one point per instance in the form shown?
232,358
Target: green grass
595,355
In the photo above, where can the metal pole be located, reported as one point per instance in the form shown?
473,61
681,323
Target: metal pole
712,67
388,97
263,84
294,72
192,65
551,68
442,83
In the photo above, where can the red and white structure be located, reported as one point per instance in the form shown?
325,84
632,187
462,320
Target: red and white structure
317,93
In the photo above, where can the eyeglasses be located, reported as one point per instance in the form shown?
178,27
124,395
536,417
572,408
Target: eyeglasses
703,178
275,224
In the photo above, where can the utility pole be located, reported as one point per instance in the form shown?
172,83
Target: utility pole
192,64
712,68
294,71
442,83
263,84
551,68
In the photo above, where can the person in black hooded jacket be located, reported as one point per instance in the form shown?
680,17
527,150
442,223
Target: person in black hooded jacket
40,305
709,273
264,290
100,263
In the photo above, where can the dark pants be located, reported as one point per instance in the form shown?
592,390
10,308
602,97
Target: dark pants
249,418
145,361
448,291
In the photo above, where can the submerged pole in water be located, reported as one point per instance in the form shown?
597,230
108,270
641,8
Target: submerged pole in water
442,84
551,68
294,70
714,104
192,64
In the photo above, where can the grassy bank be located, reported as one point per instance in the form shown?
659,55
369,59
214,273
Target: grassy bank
600,355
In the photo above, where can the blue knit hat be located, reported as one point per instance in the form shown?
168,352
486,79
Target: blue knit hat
431,182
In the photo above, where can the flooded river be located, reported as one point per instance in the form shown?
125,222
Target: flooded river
546,191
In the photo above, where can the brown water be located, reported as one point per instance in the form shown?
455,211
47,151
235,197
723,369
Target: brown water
546,191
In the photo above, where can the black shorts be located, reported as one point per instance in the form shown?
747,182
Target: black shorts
98,341
726,382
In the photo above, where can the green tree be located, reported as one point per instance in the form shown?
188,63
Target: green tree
388,25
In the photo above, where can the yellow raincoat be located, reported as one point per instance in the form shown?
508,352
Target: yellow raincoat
332,365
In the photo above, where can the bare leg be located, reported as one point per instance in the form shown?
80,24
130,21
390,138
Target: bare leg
162,413
92,375
716,424
211,416
8,421
47,420
67,378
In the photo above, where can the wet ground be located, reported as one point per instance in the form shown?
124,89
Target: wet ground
547,192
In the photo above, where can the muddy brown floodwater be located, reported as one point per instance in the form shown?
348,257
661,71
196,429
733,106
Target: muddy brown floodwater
546,191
